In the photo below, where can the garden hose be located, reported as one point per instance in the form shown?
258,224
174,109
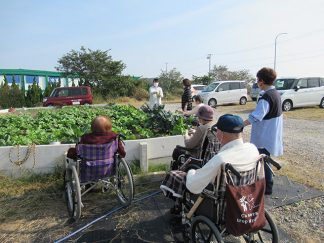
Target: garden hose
104,216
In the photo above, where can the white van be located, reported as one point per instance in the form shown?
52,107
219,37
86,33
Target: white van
225,92
301,92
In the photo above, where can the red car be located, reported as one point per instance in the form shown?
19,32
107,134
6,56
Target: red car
69,96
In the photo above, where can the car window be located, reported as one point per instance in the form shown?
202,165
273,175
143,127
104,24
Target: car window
74,92
302,83
223,87
243,85
313,82
59,93
84,91
322,81
234,85
211,87
283,84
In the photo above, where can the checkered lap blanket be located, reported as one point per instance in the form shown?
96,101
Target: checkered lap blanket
97,160
174,184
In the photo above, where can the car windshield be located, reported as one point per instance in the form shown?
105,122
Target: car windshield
255,86
210,87
283,84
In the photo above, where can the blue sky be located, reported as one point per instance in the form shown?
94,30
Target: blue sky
147,34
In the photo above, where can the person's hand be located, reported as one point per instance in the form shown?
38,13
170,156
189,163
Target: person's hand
191,131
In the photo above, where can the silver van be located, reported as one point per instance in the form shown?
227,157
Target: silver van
301,92
225,92
255,90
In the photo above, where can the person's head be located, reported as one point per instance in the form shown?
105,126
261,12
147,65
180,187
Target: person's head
229,128
186,82
101,124
205,114
266,77
198,100
155,82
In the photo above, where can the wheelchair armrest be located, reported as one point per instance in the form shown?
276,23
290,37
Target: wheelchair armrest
274,163
231,168
187,149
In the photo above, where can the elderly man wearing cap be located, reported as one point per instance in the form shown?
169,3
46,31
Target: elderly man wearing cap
194,138
233,150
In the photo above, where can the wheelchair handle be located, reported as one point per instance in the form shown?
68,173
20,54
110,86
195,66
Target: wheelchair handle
121,136
231,168
274,163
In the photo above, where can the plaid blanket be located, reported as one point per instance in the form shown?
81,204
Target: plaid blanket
174,184
97,160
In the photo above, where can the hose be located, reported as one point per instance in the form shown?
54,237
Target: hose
104,216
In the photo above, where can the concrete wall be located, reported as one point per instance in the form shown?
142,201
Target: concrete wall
43,158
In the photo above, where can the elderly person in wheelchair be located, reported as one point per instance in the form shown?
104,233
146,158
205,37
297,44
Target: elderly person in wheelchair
201,195
194,138
97,161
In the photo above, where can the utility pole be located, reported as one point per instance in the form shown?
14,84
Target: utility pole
275,55
209,58
166,67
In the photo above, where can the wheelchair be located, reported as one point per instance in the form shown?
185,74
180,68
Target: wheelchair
203,216
208,148
97,165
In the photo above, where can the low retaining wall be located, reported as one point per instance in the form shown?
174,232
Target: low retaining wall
43,158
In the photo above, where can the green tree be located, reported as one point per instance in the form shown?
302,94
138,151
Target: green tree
223,73
49,88
92,68
4,94
201,80
171,81
34,94
16,95
116,86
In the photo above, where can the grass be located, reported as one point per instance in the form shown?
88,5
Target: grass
158,167
306,113
31,183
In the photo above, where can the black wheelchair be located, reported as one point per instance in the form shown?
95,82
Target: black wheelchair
203,216
207,149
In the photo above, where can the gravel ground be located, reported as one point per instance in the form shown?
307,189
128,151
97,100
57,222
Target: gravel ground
302,162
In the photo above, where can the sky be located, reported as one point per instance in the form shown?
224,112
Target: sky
151,36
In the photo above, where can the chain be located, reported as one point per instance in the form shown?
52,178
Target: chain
30,149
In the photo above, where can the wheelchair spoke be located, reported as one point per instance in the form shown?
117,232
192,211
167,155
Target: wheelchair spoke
124,182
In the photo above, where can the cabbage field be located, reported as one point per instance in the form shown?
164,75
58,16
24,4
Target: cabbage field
67,124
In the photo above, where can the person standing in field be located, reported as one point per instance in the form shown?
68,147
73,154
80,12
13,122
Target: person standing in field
156,94
186,99
267,121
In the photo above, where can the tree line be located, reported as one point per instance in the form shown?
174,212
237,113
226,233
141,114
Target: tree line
97,69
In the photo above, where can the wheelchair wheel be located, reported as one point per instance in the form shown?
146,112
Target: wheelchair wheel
124,182
72,193
269,233
204,230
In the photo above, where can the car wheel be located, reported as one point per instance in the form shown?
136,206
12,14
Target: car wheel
87,104
243,101
287,105
322,103
212,103
254,99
